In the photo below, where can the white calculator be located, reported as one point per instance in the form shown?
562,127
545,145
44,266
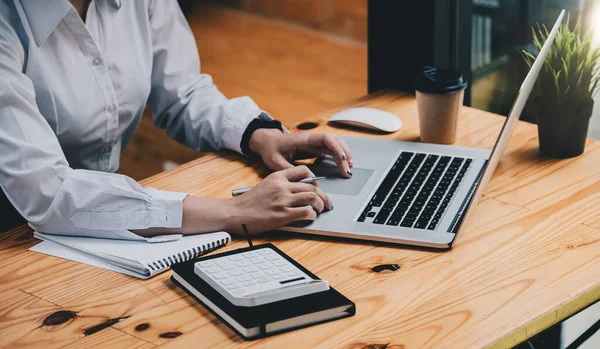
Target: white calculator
257,275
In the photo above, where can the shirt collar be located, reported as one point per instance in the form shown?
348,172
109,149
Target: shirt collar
44,15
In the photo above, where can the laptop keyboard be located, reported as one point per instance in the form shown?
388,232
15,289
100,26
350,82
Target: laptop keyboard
416,191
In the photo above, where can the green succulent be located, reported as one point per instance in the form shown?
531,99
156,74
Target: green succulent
570,72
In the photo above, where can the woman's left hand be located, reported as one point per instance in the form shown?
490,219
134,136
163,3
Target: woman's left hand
277,149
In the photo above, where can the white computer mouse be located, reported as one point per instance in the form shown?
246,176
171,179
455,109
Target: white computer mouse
369,118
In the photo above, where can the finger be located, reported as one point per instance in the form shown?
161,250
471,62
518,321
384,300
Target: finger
305,213
322,152
339,155
295,174
311,153
332,144
296,187
277,162
305,187
308,198
347,152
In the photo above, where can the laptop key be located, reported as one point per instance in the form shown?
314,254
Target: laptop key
362,217
399,212
375,201
421,224
407,224
432,225
381,217
393,221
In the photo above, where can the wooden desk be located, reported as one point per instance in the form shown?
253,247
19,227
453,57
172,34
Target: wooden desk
528,259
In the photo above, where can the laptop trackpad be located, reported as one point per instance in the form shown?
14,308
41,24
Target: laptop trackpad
335,183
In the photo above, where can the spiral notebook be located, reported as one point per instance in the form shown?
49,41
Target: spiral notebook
141,259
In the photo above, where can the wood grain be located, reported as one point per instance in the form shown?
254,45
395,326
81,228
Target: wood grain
526,260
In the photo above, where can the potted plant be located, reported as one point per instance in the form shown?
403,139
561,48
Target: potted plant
564,90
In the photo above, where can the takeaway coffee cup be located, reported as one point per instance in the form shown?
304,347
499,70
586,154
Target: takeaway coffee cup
440,94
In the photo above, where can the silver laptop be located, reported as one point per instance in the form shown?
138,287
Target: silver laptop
413,193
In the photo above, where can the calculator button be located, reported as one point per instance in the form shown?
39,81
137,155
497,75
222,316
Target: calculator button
239,291
265,251
265,266
235,272
257,275
236,258
212,270
225,265
251,254
280,263
206,264
232,286
257,260
248,283
227,282
279,277
272,257
250,269
272,272
219,276
243,278
293,274
263,280
287,268
242,263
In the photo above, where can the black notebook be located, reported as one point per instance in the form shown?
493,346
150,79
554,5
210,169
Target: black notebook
268,319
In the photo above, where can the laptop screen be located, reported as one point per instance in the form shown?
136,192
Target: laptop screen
511,120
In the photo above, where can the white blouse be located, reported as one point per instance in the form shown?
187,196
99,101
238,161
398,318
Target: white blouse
71,97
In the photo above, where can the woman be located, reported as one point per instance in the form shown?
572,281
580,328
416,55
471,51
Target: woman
75,77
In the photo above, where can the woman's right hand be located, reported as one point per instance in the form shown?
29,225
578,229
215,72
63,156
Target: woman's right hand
277,201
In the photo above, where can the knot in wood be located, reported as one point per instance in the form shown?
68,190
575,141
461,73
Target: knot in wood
142,327
170,334
59,318
382,267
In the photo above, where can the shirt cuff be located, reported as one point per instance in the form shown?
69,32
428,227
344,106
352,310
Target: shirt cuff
239,112
166,209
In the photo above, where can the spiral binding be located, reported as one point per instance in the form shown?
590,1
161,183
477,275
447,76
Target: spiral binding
186,255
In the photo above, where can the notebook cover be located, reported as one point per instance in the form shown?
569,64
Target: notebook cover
259,316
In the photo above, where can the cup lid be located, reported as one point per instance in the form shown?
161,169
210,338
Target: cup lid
440,81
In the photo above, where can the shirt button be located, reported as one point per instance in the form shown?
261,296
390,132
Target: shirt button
106,148
97,61
111,109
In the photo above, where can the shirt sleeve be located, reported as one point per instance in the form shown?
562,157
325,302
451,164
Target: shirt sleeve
37,179
185,102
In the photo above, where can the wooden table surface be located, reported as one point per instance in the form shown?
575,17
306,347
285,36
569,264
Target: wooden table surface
529,258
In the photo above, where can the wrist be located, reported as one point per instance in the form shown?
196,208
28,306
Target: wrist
255,125
202,215
261,137
236,215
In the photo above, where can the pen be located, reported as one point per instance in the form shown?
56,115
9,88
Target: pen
240,191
